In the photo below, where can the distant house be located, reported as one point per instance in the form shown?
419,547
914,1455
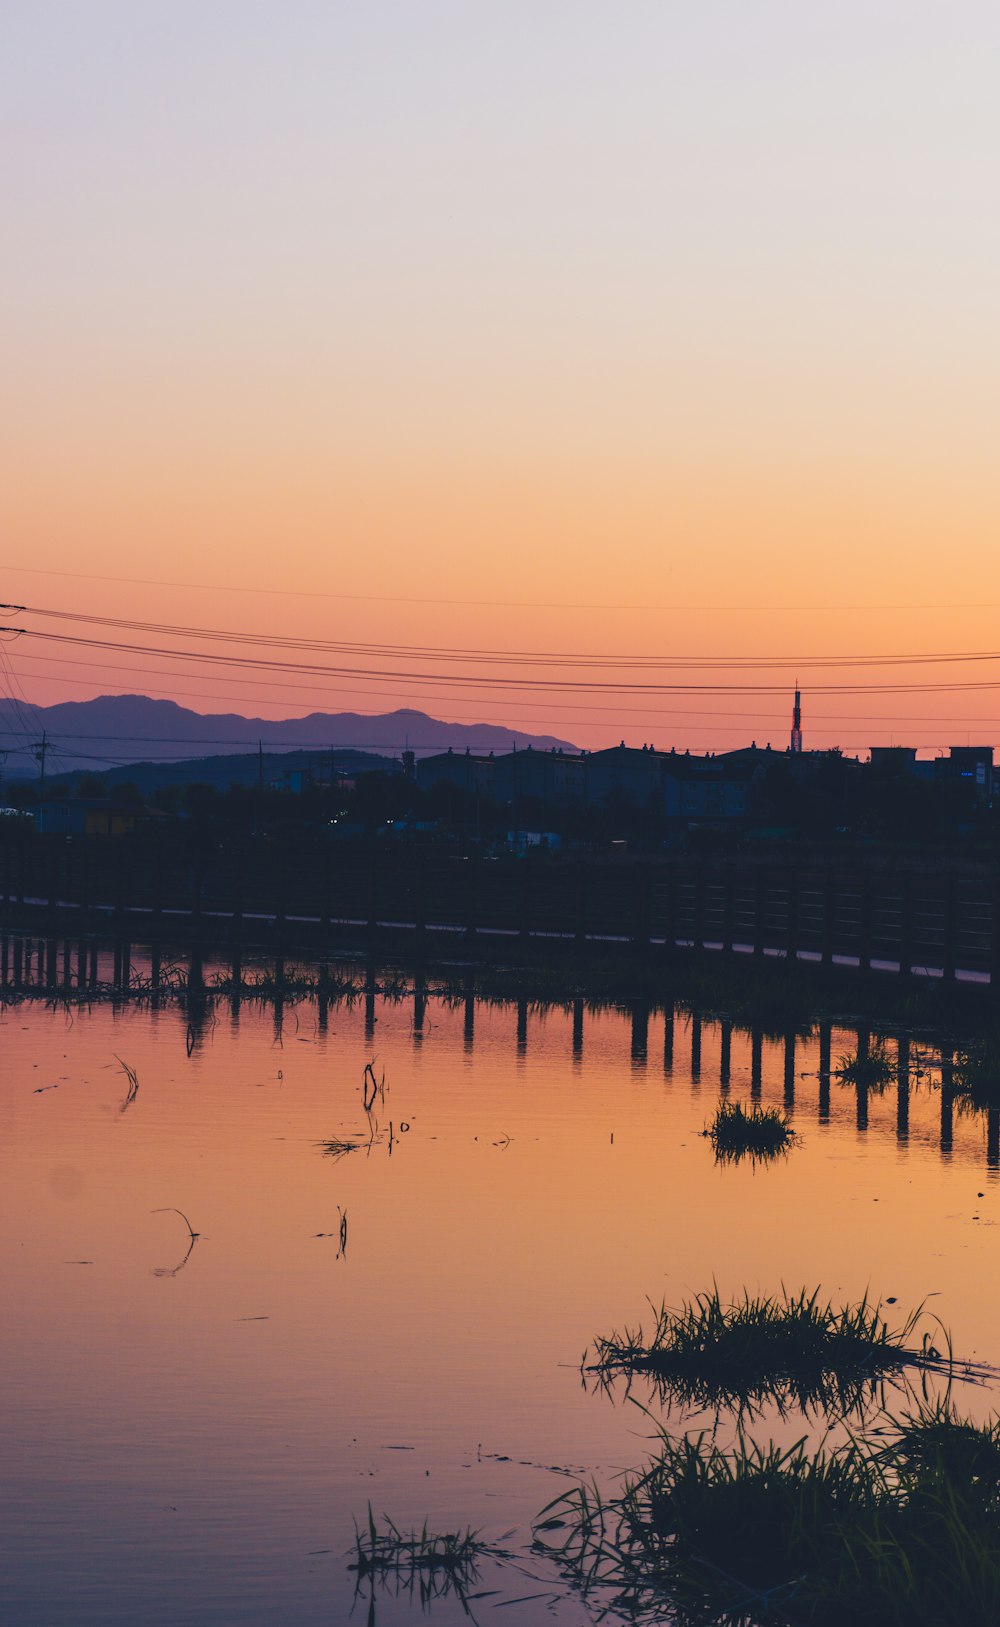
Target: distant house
633,773
970,768
555,777
294,780
708,789
95,816
465,770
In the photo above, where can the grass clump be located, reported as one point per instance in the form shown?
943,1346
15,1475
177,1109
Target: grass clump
420,1562
335,1148
788,1349
976,1075
881,1533
873,1069
760,1133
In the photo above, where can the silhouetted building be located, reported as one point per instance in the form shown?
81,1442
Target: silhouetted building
970,767
708,790
97,816
464,770
633,773
555,777
894,759
796,743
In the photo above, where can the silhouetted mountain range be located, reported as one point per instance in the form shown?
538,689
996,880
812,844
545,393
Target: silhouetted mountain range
114,730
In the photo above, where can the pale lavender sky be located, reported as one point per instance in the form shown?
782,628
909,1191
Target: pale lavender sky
651,304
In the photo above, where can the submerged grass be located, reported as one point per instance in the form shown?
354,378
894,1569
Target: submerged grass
785,1349
335,1148
903,1527
758,1133
387,1548
976,1075
420,1563
873,1069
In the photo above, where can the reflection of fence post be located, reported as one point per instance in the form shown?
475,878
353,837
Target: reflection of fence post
726,1055
371,985
902,1087
947,1097
640,1031
790,1068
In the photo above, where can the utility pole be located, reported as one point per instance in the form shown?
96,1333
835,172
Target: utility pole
260,785
41,749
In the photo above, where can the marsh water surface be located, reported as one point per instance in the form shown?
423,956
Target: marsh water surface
191,1425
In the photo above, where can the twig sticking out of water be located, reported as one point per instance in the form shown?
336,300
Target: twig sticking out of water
371,1088
133,1083
171,1211
193,1236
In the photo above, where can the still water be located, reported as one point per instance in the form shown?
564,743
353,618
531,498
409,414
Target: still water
190,1428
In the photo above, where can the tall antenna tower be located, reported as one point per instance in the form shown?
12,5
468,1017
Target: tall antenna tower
797,722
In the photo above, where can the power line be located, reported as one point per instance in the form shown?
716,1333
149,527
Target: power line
464,604
544,658
506,685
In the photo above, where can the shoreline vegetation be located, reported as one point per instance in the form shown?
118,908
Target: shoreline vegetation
891,1519
789,1350
897,1526
768,995
757,1133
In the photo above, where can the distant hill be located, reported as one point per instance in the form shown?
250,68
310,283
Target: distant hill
235,768
117,730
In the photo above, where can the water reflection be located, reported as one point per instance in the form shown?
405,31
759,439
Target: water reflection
67,970
201,1425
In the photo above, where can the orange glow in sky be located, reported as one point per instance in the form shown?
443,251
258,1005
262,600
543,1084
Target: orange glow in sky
668,332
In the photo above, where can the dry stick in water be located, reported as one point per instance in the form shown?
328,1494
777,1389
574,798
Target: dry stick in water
193,1236
133,1083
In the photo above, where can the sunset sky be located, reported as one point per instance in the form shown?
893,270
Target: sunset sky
662,330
